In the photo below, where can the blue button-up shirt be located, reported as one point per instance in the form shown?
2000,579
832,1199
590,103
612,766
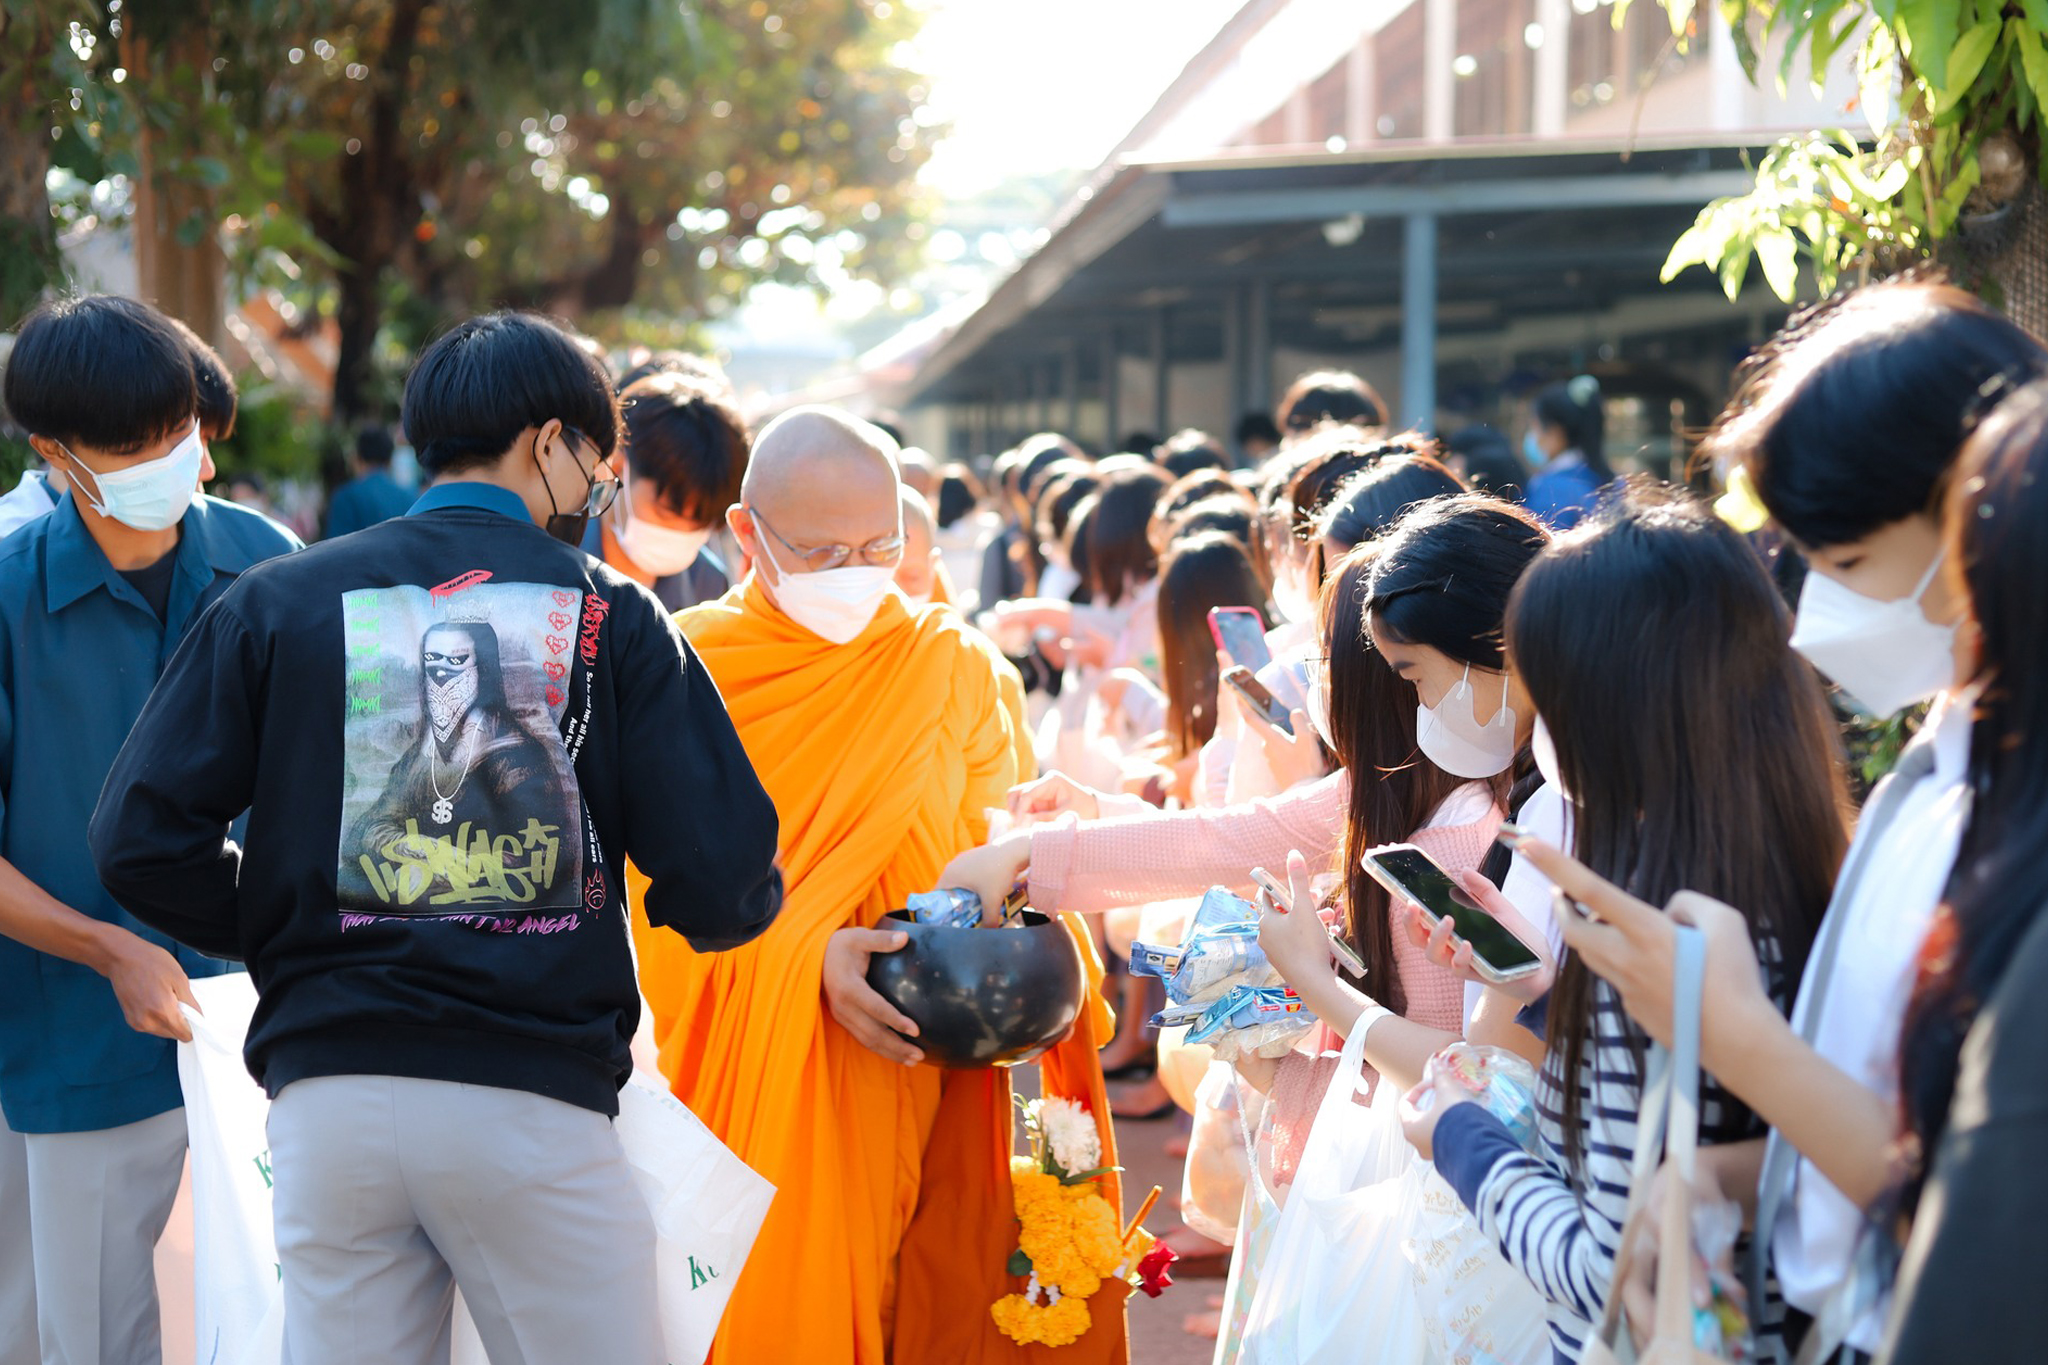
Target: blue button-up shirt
365,500
79,652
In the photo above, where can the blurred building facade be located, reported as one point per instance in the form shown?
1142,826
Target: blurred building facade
1456,198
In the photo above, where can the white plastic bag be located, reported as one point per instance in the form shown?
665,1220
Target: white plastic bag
707,1204
1212,1179
234,1269
1336,1285
1475,1306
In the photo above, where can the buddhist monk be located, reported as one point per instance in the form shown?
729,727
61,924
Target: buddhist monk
921,575
883,733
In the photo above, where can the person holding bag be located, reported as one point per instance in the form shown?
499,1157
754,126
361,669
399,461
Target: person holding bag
1846,432
1713,767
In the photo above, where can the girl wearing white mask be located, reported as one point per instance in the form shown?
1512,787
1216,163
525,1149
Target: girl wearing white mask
1846,431
1698,751
684,456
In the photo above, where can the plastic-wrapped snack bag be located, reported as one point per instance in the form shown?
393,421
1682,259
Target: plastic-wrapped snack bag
1721,1326
1217,961
953,908
1220,907
1497,1078
1262,1021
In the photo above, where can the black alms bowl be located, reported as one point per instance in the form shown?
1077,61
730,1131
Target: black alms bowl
982,997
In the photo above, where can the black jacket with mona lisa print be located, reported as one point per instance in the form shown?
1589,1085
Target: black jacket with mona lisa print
450,731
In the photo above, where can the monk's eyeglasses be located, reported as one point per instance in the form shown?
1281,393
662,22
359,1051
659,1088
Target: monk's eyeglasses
886,551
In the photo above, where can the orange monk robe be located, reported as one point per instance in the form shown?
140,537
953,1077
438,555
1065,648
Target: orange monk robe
892,1221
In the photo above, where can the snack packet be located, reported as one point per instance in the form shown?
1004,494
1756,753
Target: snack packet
1262,1020
1495,1077
951,908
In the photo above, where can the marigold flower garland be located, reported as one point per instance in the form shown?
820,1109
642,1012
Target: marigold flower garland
1069,1241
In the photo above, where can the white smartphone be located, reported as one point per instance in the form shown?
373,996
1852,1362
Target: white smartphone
1409,874
1347,956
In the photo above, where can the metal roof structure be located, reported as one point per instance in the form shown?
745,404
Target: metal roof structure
1400,247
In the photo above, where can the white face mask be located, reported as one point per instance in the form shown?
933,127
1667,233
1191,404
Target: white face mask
833,604
660,550
1450,734
1544,750
151,496
1885,655
1317,703
1291,595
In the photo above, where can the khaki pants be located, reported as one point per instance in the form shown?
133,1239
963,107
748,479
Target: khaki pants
392,1192
96,1204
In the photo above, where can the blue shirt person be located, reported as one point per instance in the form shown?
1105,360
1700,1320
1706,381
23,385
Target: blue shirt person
80,648
95,596
372,495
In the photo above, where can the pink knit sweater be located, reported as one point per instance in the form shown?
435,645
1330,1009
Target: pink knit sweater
1156,857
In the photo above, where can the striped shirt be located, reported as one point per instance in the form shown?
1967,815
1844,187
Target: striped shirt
1560,1225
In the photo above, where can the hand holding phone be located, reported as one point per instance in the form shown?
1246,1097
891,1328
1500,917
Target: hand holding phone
1263,703
1499,955
1275,897
1241,633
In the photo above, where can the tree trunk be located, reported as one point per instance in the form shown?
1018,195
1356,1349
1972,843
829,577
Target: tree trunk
186,279
29,260
379,205
359,313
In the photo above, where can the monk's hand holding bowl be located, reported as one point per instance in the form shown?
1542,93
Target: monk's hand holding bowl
874,1023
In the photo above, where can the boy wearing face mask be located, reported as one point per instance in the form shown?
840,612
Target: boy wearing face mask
94,598
685,454
884,735
452,729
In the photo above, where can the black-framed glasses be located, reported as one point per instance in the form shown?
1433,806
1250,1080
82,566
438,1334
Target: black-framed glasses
603,492
886,551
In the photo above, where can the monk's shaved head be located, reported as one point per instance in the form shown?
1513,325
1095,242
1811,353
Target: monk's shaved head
920,546
817,477
807,447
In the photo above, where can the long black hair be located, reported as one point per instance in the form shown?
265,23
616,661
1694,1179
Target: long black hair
1444,573
1574,407
1696,746
1372,715
1999,887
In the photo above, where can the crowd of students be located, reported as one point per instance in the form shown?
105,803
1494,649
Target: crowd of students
401,775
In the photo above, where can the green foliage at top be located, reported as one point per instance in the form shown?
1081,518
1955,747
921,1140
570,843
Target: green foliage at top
1954,94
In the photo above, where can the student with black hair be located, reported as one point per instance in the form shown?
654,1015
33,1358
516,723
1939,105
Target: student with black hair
94,597
372,495
1846,428
1695,749
1972,1068
685,453
1256,438
452,729
1329,396
1565,447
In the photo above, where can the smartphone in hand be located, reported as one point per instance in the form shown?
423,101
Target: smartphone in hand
1409,874
1240,633
1263,703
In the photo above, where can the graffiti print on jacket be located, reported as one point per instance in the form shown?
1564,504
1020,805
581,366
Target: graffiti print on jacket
459,797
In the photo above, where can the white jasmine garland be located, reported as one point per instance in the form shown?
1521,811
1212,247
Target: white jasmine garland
1070,1136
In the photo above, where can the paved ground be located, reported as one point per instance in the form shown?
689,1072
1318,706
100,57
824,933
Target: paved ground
1156,1335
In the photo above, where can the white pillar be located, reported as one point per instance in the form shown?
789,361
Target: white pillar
1439,82
1553,67
1360,95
